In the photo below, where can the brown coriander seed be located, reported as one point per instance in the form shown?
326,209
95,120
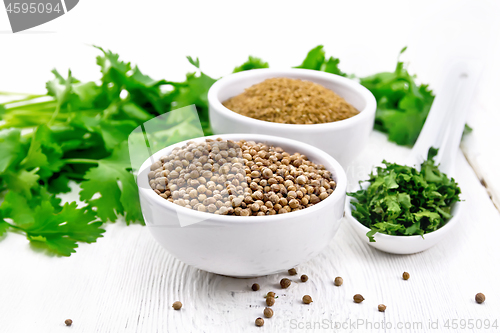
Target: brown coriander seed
271,294
307,299
304,278
259,322
68,322
270,300
382,307
358,298
406,276
338,281
480,298
285,283
177,305
268,312
292,271
255,287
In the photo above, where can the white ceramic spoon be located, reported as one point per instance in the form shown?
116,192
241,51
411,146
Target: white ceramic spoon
442,129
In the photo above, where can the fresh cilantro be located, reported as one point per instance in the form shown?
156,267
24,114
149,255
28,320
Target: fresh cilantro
115,185
316,60
402,105
251,63
45,222
400,200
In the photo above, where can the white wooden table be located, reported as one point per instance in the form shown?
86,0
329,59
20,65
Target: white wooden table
127,283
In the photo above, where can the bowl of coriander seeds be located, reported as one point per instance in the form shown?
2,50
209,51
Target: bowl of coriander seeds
328,111
242,205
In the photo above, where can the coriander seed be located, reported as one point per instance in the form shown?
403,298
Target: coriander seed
358,298
406,276
255,287
338,281
271,294
285,283
270,301
259,322
68,322
381,307
242,178
304,278
268,312
307,299
292,271
177,305
480,298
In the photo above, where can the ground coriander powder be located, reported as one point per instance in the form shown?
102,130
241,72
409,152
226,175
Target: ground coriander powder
291,101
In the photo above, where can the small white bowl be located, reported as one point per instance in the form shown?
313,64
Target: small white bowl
343,140
245,246
404,244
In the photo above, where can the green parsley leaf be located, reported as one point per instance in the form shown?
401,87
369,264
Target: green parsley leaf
102,191
4,226
316,60
12,147
251,63
402,105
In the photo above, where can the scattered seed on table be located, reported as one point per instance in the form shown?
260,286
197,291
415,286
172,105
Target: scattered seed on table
270,300
304,278
285,283
307,299
292,271
259,322
255,287
338,281
406,276
382,307
268,312
480,298
177,305
68,322
358,298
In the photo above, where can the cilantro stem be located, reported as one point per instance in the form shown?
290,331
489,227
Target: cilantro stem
9,93
81,161
27,101
13,226
74,175
35,106
54,115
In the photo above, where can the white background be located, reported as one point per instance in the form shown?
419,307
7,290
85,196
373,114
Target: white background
157,35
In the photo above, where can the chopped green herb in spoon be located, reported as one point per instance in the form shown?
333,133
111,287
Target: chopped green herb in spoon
402,201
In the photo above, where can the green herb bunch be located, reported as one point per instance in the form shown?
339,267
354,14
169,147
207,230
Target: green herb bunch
79,133
402,201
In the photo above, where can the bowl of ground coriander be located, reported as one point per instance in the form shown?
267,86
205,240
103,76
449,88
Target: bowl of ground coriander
242,204
328,111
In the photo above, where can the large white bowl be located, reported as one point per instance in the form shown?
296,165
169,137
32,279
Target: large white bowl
343,140
404,244
245,246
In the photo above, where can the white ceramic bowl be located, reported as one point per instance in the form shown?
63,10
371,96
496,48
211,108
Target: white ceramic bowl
342,139
404,244
245,246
